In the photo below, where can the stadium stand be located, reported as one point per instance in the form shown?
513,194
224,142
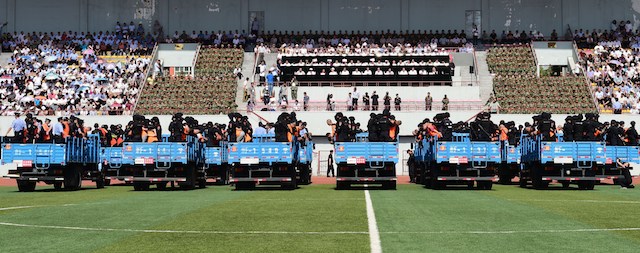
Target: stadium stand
518,90
366,63
211,91
64,73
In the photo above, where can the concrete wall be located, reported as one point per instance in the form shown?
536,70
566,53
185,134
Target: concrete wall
95,15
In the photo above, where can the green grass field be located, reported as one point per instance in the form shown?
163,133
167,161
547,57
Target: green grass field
319,219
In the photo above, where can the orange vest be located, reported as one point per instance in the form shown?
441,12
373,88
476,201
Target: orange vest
152,136
503,133
185,132
393,131
65,132
47,132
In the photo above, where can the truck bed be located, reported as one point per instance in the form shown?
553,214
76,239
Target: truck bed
251,153
366,152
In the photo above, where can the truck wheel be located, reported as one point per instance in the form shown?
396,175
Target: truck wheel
485,185
107,182
141,186
390,185
437,185
161,186
565,184
341,185
202,183
26,186
522,181
470,185
536,180
100,182
72,179
57,185
586,185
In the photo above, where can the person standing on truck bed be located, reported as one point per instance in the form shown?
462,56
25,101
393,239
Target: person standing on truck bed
632,135
330,169
18,126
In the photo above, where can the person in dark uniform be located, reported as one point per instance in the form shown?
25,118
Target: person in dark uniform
411,164
627,181
374,101
632,135
330,169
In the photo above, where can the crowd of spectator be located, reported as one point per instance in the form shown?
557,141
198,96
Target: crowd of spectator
610,59
67,73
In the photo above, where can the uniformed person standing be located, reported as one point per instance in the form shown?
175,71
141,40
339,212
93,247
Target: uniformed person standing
330,169
411,164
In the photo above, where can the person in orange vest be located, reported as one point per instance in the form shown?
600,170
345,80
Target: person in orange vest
46,131
503,133
151,133
67,128
394,130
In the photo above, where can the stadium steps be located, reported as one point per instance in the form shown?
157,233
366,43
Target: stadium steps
248,67
485,79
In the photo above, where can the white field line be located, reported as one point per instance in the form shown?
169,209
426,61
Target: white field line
583,230
16,207
374,235
178,231
479,232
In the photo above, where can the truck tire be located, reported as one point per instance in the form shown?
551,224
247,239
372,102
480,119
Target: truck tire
504,176
245,186
341,185
100,182
437,185
202,183
57,185
141,186
522,182
591,185
485,185
161,186
107,182
389,185
26,186
72,179
565,184
536,179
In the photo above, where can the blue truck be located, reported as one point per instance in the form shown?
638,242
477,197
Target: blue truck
303,164
610,169
510,166
565,162
60,164
159,163
111,158
458,162
214,162
363,162
264,162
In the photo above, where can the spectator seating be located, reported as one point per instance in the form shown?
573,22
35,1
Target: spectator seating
434,67
518,90
211,91
613,74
